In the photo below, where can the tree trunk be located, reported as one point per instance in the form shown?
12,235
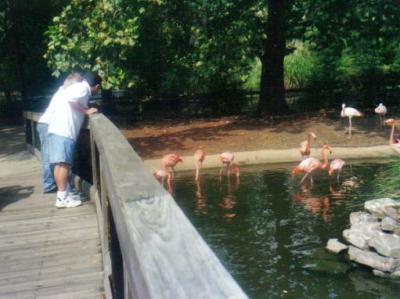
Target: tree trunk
16,48
272,89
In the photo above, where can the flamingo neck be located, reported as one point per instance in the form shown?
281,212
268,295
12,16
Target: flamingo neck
309,140
325,160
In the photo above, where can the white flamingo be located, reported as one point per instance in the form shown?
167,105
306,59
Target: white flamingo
381,110
349,112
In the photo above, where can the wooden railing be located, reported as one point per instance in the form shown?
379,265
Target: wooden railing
150,249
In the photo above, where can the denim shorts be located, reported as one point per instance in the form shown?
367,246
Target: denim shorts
61,149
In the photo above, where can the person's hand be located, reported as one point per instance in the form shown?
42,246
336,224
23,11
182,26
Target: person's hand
91,111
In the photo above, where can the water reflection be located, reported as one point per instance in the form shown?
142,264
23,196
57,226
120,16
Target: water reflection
201,206
318,205
229,198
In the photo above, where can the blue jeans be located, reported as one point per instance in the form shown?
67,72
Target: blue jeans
47,171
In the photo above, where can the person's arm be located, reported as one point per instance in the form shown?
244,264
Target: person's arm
75,93
83,110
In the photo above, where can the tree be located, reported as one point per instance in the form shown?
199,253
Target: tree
272,89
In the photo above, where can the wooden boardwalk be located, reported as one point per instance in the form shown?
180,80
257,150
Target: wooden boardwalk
44,252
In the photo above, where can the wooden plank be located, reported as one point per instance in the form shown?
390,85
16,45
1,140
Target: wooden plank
59,235
91,240
40,275
57,285
152,230
41,263
30,215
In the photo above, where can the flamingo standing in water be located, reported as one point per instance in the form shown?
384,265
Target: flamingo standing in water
394,142
350,113
226,159
309,165
199,157
305,146
169,161
381,110
163,177
336,166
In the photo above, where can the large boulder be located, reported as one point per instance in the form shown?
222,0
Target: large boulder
390,225
363,227
386,244
374,260
383,207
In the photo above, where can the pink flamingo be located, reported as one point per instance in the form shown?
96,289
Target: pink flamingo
350,113
226,159
394,142
199,157
305,146
381,110
336,166
163,177
169,161
309,165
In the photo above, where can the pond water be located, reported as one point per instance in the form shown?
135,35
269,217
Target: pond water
267,229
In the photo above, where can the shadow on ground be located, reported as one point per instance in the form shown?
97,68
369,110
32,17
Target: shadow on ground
12,194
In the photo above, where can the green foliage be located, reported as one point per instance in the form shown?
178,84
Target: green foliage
300,67
252,81
93,35
357,48
387,184
175,46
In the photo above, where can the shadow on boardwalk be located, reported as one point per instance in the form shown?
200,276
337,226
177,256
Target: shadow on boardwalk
12,194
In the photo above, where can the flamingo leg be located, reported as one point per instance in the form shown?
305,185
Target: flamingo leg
349,127
337,176
221,170
304,177
198,166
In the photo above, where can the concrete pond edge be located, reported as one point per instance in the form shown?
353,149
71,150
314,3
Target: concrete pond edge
270,156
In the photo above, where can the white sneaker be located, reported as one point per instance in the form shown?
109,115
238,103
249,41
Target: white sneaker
68,202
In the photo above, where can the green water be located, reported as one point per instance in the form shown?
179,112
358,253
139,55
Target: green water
267,229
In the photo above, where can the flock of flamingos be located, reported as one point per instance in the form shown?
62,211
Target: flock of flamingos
308,165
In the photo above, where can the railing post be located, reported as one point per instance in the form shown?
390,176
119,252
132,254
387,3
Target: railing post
33,136
94,158
104,208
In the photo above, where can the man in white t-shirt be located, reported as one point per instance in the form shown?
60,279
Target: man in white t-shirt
66,120
48,181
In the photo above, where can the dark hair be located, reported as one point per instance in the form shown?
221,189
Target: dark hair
92,78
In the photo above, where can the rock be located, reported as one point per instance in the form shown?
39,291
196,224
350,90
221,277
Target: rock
359,218
374,260
390,225
356,238
394,275
335,246
384,207
363,228
386,244
325,266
